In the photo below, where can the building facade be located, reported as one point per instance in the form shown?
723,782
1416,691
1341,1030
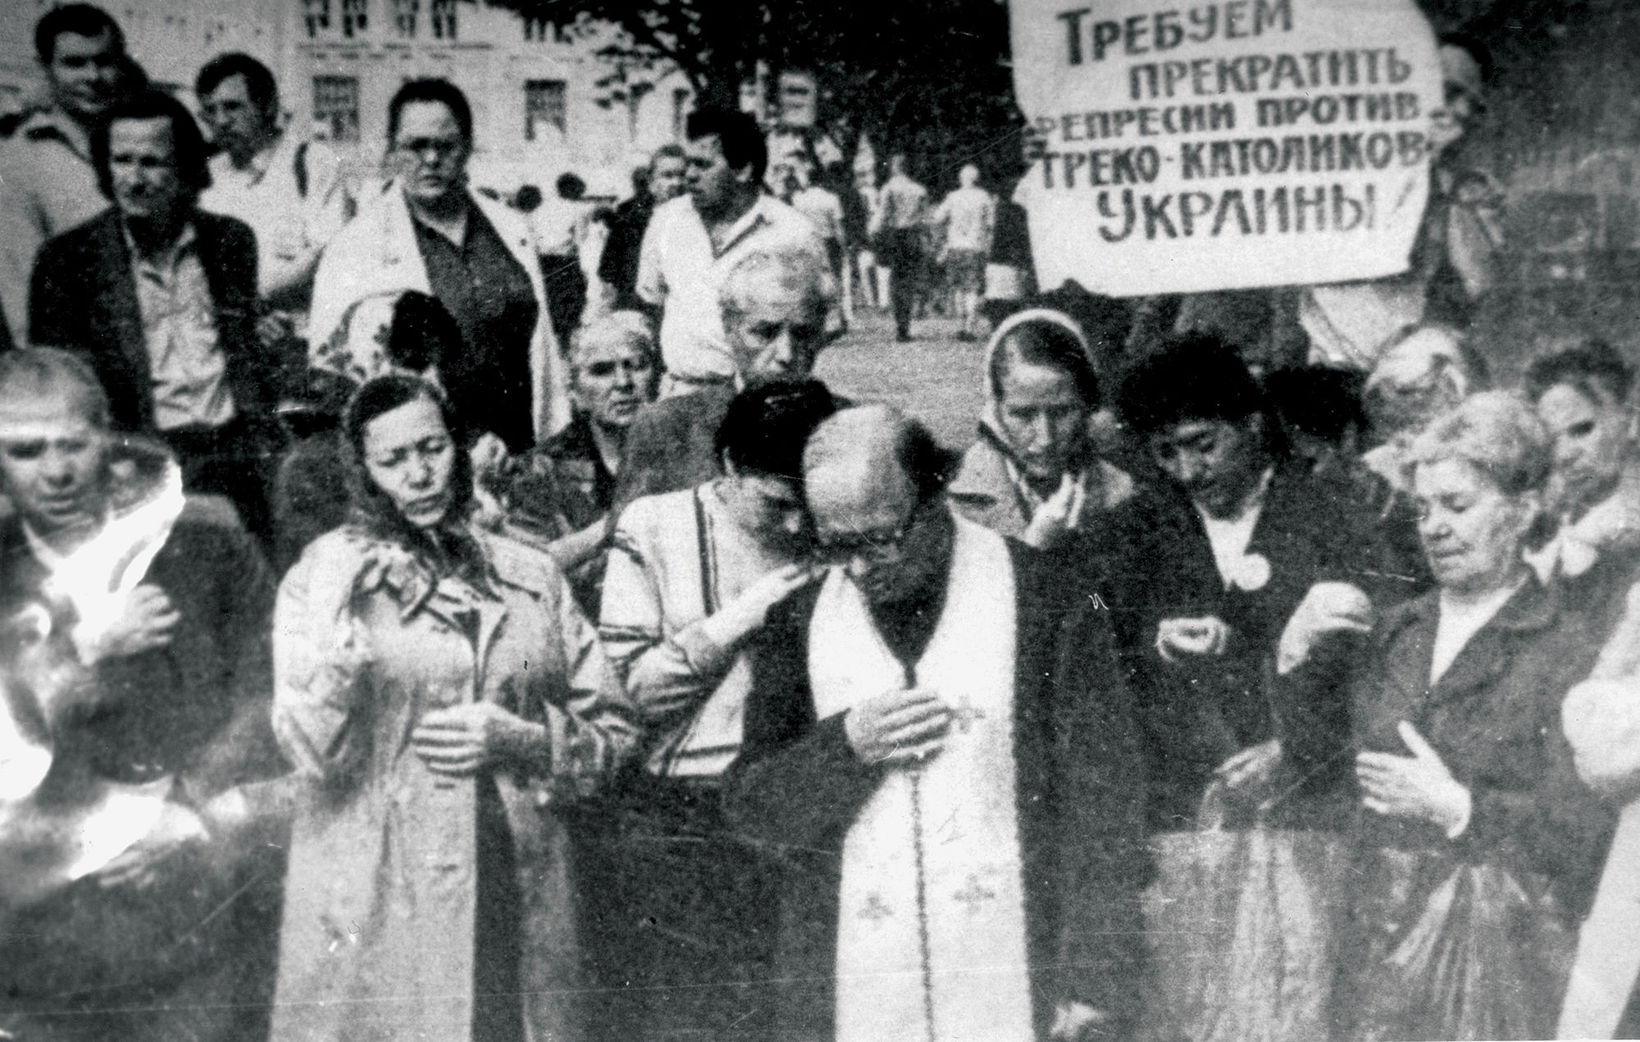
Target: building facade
539,106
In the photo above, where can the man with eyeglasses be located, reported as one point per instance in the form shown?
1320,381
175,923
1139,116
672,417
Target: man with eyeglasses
939,757
289,189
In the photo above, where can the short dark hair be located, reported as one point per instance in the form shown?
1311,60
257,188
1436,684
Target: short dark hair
260,85
768,424
738,135
423,332
670,150
79,19
435,91
1584,367
1190,376
1322,401
188,149
570,186
528,198
1047,344
1477,49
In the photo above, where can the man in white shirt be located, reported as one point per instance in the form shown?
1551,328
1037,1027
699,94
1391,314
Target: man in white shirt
288,189
47,182
968,217
693,242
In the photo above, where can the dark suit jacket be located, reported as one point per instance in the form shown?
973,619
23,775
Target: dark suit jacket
197,708
1198,714
83,297
798,786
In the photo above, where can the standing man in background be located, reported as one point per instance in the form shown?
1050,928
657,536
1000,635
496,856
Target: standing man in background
158,297
47,181
660,182
901,210
288,189
692,244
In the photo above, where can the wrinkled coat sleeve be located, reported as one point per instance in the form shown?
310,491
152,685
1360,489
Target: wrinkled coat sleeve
592,728
319,658
668,669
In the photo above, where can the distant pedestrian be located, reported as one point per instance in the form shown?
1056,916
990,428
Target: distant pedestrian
968,217
659,182
901,212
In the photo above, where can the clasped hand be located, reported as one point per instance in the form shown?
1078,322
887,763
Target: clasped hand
898,728
459,741
1417,786
146,621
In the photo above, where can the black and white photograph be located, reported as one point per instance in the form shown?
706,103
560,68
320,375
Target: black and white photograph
819,521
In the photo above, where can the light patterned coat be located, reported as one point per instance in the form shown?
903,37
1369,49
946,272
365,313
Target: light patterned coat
379,931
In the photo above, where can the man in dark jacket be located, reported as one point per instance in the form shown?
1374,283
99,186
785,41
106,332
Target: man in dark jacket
137,888
659,182
939,752
160,298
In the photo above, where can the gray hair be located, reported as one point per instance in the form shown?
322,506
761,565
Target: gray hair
35,372
1497,433
791,266
626,327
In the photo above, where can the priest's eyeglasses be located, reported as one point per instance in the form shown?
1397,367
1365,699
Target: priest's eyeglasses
845,547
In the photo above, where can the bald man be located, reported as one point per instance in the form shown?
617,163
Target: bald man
774,303
950,787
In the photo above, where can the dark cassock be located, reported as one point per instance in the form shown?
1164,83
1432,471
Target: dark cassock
973,894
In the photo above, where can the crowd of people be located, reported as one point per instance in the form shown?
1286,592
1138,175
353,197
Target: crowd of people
391,648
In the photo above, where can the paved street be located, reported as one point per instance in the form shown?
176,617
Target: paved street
936,377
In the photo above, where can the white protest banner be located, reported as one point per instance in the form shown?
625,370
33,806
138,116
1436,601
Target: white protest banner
1205,146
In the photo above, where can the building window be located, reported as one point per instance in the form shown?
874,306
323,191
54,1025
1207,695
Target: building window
543,106
336,106
354,17
404,17
317,15
442,14
680,109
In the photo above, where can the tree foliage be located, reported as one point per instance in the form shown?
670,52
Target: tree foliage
928,77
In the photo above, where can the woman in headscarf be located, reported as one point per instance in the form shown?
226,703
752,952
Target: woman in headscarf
1035,473
440,695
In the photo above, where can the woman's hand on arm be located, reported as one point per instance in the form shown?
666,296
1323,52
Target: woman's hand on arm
746,613
1418,786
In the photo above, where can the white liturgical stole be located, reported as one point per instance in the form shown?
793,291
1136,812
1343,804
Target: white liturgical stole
931,917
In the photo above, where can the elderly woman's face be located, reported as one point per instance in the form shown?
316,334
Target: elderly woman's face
1043,417
409,455
1471,530
431,151
611,381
